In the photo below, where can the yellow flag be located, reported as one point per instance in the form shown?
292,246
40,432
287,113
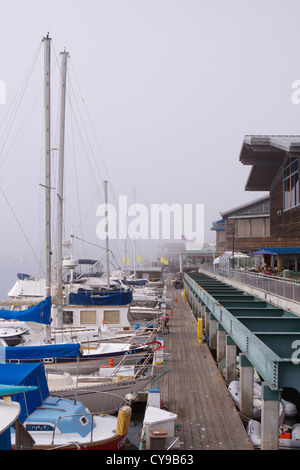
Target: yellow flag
140,258
163,260
127,260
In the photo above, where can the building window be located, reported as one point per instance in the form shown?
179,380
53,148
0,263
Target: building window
257,227
267,227
254,227
221,236
290,184
243,228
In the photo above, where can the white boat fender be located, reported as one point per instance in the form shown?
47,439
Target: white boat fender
131,397
296,432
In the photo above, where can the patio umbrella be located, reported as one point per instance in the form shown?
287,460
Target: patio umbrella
263,252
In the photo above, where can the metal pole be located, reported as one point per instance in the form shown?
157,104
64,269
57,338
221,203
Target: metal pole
233,233
126,240
107,247
134,261
180,263
47,101
60,183
200,330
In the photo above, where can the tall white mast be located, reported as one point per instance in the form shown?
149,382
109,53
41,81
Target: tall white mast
47,103
126,242
134,262
107,247
60,183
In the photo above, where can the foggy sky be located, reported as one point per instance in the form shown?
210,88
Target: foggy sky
171,87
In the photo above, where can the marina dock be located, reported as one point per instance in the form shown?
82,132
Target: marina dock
195,390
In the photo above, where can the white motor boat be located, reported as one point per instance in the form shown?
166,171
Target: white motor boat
286,408
287,440
234,389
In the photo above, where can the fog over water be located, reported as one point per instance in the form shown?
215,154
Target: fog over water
160,96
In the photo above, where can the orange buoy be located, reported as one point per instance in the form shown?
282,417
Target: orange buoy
285,435
111,364
171,312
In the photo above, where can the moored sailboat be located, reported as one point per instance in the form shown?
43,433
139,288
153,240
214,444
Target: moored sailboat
56,423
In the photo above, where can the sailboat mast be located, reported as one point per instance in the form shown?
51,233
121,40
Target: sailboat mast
126,242
60,184
134,262
107,247
47,98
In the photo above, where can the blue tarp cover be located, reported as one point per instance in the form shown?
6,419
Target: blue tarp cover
39,352
40,313
137,282
87,298
26,374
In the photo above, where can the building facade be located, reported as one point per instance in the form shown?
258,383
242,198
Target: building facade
272,221
247,227
274,164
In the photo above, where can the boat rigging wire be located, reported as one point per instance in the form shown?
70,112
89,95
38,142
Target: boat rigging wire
22,230
14,107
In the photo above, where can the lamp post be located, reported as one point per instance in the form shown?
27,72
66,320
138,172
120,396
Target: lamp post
233,234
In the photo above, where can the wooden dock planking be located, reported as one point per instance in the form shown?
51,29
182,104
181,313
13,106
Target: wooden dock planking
194,389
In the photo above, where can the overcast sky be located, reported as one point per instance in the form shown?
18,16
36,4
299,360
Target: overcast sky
170,88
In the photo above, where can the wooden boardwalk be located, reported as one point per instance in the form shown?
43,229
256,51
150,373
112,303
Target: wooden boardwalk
195,390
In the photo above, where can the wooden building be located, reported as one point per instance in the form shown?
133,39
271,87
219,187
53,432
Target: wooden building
247,227
219,226
273,220
274,164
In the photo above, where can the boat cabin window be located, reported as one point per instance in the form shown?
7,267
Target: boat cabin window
88,317
84,420
48,360
111,316
67,317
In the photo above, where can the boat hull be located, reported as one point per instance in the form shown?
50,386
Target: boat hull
104,432
116,443
90,361
105,397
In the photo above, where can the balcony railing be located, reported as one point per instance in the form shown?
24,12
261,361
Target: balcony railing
286,288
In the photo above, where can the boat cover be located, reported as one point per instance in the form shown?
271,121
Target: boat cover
40,313
28,375
84,297
39,352
136,282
